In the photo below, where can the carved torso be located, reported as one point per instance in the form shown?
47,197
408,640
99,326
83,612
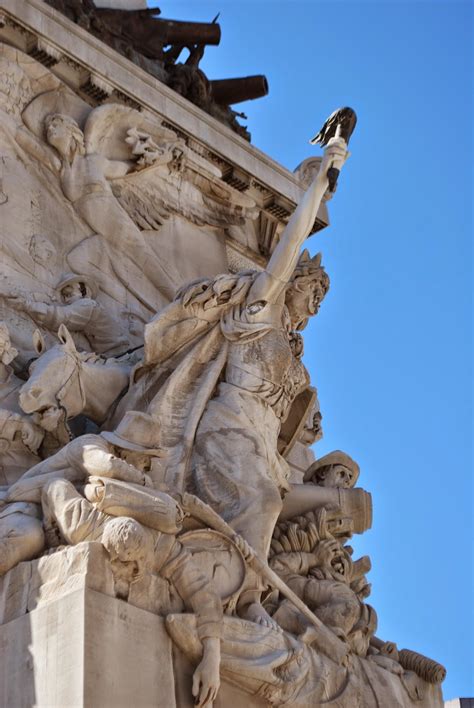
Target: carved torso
267,365
83,176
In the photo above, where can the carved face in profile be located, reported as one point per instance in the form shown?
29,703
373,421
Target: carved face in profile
303,299
64,134
59,135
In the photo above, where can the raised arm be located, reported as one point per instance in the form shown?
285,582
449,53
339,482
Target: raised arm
271,283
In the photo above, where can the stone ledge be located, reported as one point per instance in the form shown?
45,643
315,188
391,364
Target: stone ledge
93,57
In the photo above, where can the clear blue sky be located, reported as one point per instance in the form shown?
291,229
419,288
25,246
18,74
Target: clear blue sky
390,351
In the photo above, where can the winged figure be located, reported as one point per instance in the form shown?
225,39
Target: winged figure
125,173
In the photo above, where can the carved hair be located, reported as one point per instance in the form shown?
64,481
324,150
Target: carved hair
77,136
126,539
310,270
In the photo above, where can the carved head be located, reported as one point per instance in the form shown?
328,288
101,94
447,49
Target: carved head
332,561
130,544
335,469
50,377
73,287
73,292
365,628
306,290
64,134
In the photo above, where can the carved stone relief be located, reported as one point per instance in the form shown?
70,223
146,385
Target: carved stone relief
152,389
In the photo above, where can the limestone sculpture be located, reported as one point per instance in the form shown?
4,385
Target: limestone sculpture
253,324
20,437
136,549
79,311
151,396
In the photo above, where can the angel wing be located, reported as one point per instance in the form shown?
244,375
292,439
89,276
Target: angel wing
170,178
107,128
186,187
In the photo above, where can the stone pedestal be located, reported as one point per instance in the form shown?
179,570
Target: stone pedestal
86,649
66,640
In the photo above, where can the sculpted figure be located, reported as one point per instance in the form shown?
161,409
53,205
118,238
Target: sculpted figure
124,173
323,578
135,549
64,383
329,483
313,430
79,311
20,438
120,455
85,162
282,670
336,469
222,442
9,383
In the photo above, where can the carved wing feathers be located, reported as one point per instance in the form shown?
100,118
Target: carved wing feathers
107,126
150,195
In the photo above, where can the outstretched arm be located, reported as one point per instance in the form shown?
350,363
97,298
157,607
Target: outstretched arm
37,149
271,283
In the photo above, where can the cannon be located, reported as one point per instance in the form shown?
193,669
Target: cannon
149,34
226,92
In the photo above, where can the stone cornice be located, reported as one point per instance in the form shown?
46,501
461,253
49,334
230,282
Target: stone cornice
97,71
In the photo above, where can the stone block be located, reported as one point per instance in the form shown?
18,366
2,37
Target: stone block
86,649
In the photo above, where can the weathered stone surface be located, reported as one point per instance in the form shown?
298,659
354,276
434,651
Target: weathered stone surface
165,531
86,649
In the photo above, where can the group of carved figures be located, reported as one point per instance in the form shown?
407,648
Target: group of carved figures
164,453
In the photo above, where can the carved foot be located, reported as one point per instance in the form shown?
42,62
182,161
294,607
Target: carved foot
256,613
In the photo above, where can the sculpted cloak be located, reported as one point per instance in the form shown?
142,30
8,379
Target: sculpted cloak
207,379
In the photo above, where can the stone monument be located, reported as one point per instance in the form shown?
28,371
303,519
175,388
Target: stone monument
167,537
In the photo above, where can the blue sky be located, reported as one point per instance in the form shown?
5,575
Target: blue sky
391,350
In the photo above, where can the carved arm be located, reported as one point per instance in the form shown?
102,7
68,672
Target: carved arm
270,284
43,153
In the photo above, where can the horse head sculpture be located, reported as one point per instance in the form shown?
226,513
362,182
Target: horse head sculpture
65,382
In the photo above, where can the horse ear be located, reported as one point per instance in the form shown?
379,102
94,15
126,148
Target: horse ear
38,342
65,337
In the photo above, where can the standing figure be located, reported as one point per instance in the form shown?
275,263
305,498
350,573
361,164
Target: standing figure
248,355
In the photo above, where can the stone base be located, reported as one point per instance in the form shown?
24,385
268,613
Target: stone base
66,641
86,649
